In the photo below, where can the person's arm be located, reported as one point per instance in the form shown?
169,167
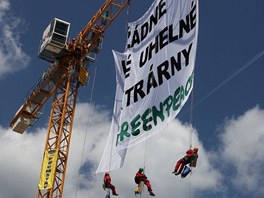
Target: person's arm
142,177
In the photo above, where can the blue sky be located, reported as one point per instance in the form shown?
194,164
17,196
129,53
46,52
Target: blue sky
227,111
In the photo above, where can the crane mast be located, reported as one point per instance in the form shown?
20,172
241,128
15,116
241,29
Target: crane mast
62,80
60,128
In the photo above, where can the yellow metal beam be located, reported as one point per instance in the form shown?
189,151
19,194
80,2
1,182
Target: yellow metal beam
59,132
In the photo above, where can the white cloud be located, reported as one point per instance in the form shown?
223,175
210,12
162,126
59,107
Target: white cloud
4,5
20,163
242,151
242,141
22,156
12,56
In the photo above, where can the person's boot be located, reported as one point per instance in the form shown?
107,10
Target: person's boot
151,193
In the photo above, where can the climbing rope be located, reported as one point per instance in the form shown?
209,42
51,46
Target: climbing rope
191,118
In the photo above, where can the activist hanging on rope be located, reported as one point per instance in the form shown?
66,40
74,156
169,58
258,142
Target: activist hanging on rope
190,158
140,180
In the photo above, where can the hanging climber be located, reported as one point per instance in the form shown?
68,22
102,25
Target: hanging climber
107,184
142,179
190,157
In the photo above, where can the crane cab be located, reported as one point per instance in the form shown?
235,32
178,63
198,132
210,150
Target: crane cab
54,40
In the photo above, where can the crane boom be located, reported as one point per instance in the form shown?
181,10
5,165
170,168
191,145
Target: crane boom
62,80
29,112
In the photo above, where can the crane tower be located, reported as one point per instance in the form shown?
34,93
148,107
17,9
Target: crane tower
66,73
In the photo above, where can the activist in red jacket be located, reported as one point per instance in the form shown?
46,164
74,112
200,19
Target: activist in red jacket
190,154
108,184
140,176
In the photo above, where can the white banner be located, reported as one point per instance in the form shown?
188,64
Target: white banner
112,159
157,73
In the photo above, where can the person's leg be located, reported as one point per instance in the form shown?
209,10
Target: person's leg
113,189
149,188
181,167
177,166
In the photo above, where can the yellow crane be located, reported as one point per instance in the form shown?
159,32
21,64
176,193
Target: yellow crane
67,72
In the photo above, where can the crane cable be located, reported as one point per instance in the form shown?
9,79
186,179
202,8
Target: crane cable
229,78
89,112
88,120
220,85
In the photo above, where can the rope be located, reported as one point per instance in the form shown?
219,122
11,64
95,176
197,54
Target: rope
145,149
145,153
146,145
190,134
88,119
191,118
